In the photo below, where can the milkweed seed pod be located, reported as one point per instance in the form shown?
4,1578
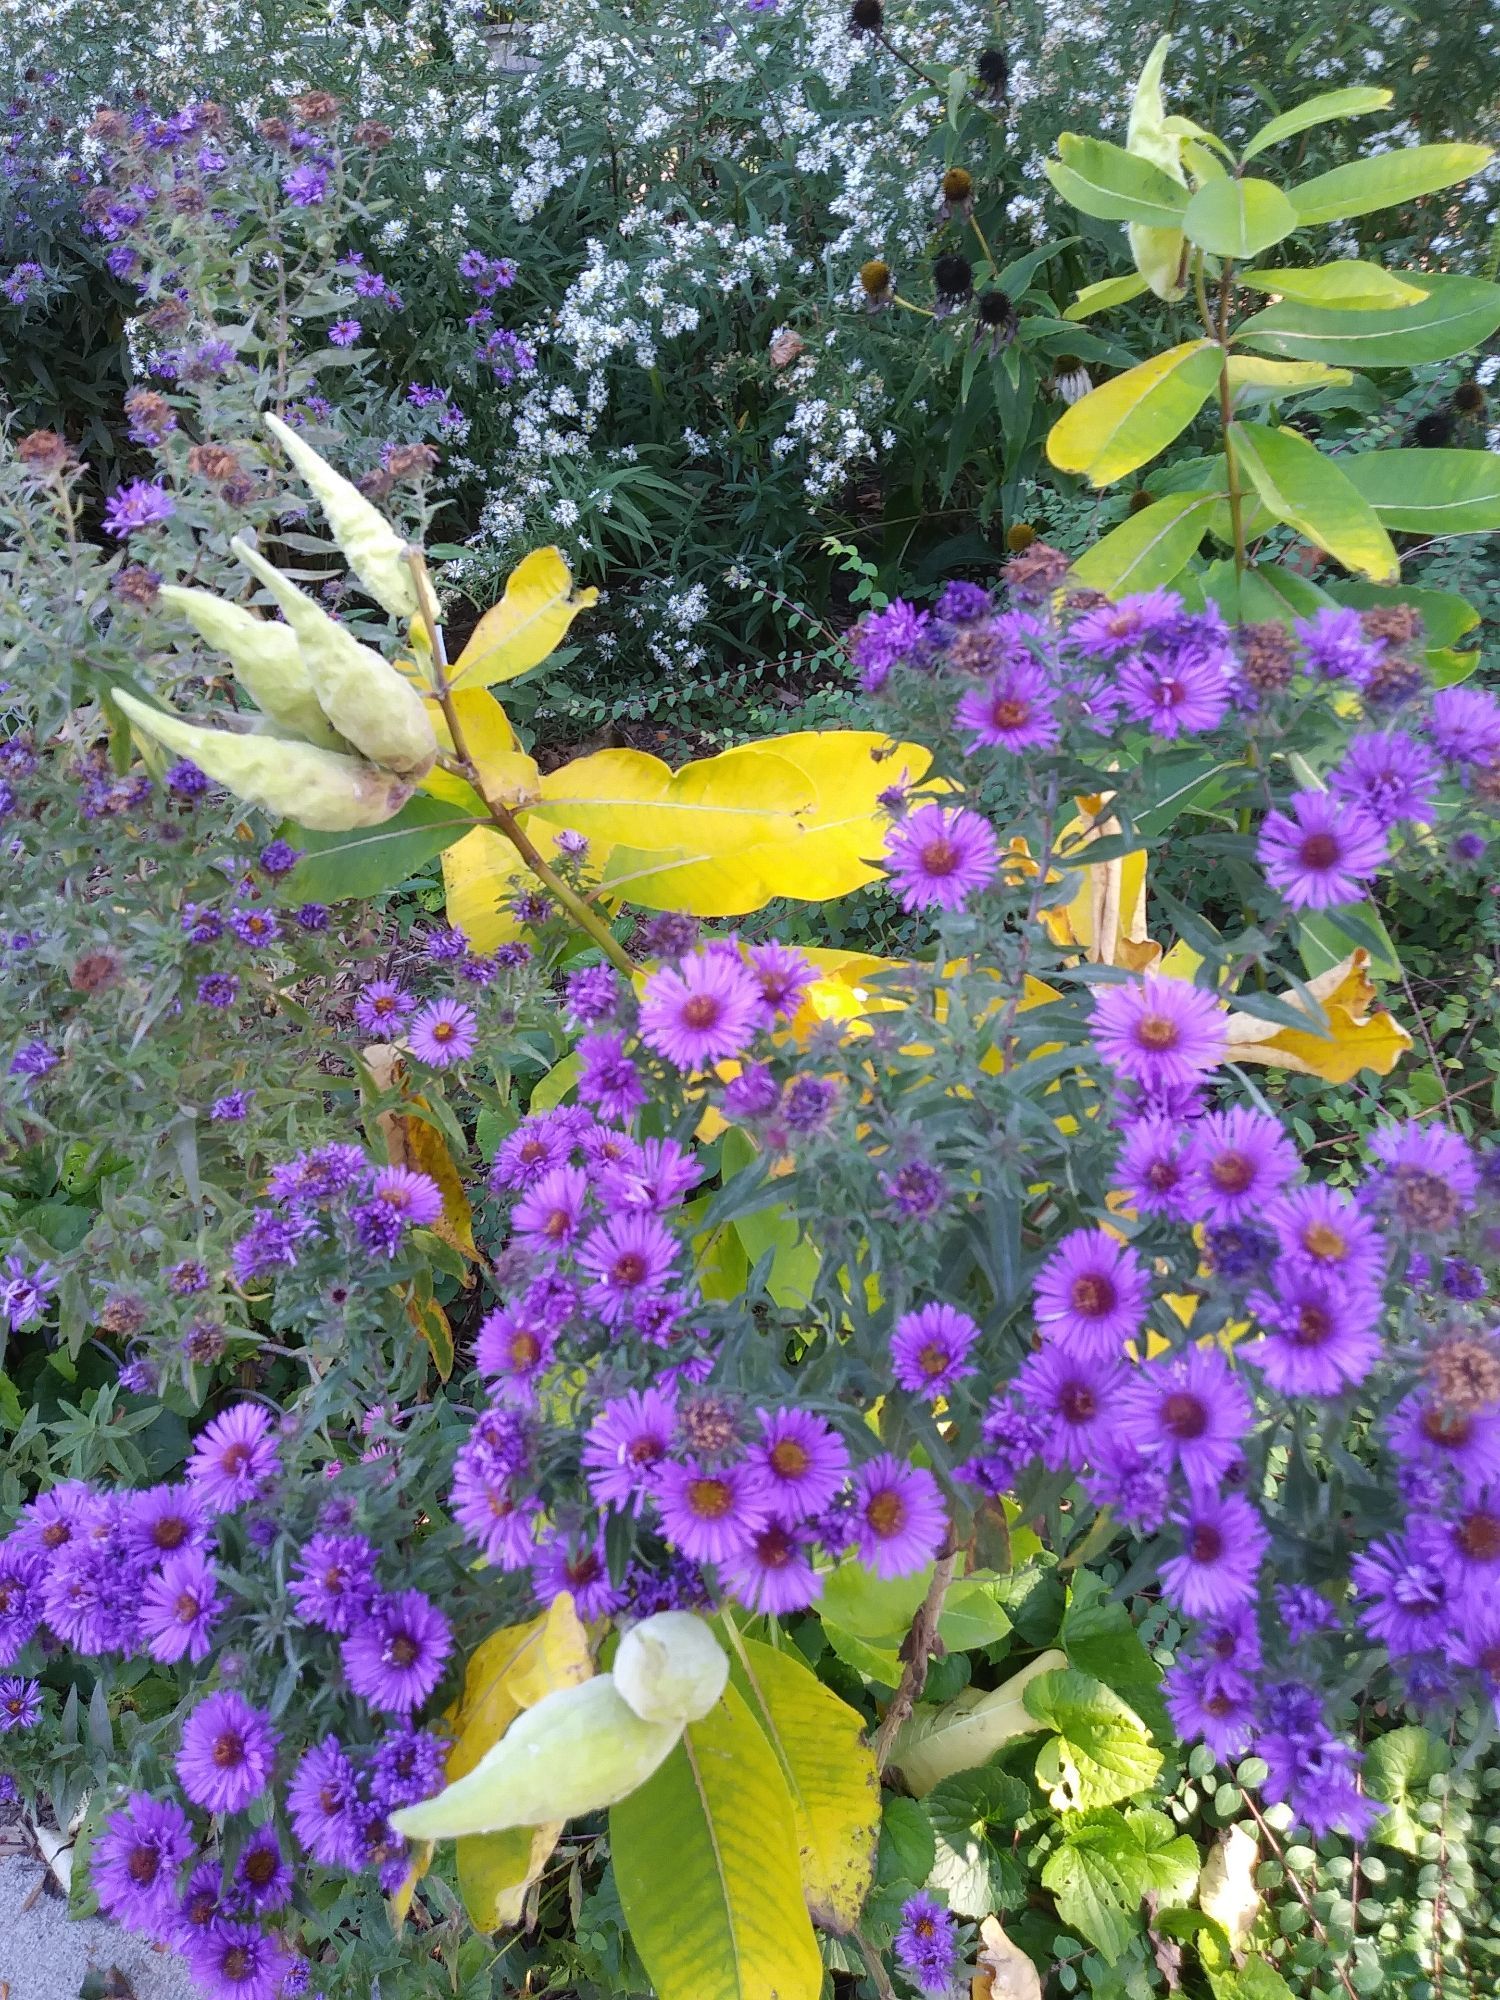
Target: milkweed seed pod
266,660
361,694
320,789
1160,254
375,552
670,1666
579,1749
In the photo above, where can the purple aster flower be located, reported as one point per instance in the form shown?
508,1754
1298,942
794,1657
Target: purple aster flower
334,1581
930,1348
33,1059
940,856
926,1946
630,1257
137,1859
261,1881
1180,691
1202,1705
185,780
963,603
322,1800
180,1606
24,1294
443,1032
1073,1394
1304,1612
227,1753
395,1655
655,1175
279,858
382,1006
1113,630
408,1765
625,1444
1091,1293
255,926
1153,1168
513,1347
234,1458
1310,1770
593,994
1389,774
1464,723
1159,1031
1191,1409
754,1093
484,1502
543,1140
897,636
708,1512
306,186
1408,1599
1223,1541
1320,1335
1466,1543
804,1462
1476,1644
700,1012
344,332
218,989
187,1278
579,1567
1426,1175
232,1109
1463,1280
142,503
900,1516
20,1703
783,975
1013,712
1324,853
607,1077
1241,1160
1335,646
312,917
416,1199
1322,1229
772,1572
48,1523
916,1189
548,1215
237,1961
91,1593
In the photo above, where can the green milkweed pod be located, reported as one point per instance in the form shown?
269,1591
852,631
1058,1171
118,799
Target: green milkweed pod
1159,253
362,695
320,789
670,1667
376,553
266,660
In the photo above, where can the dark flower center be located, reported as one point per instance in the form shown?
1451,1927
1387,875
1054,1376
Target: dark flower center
1157,1032
144,1865
1311,1326
170,1532
525,1349
886,1513
1479,1537
204,1907
1078,1402
1321,1239
644,1450
1094,1294
583,1571
187,1608
1232,1173
1184,1414
789,1459
229,1750
1426,1200
404,1650
933,1359
1010,712
233,1459
1318,850
702,1011
55,1534
260,1868
938,856
442,1031
710,1499
1489,1661
557,1223
1449,1428
774,1549
1162,1176
629,1268
236,1962
1205,1544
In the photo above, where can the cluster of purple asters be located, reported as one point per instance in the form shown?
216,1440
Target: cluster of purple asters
334,1192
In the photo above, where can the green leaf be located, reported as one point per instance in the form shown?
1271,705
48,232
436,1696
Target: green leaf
1101,1750
829,1771
1108,1863
1263,593
705,1860
1347,283
1149,549
1329,104
1382,180
337,866
1323,940
1115,186
1398,1769
978,1873
972,1616
1090,1896
1309,492
1430,492
1238,218
1100,1637
1107,292
1125,422
881,1664
1457,314
907,1846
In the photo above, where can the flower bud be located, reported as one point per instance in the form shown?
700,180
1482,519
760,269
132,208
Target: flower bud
320,789
670,1668
266,661
376,553
362,695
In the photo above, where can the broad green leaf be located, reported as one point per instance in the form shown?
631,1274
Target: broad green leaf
705,1860
1090,1896
878,1663
1109,1861
1127,421
1256,1979
830,1774
1115,186
337,866
935,1743
1455,315
1398,1769
1255,375
1100,1751
907,1848
1307,491
530,621
1323,942
1238,218
973,1817
1430,492
1262,593
1348,283
1107,292
1100,1638
1148,549
1352,103
1383,180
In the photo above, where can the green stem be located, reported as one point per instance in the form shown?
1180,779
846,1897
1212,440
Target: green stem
1219,331
501,816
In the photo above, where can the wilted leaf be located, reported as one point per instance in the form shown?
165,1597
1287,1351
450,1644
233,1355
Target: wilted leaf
1004,1971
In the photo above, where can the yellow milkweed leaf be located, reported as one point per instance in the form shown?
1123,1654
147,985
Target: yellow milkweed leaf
416,1144
506,772
480,874
1126,421
712,807
1361,1034
1253,371
530,621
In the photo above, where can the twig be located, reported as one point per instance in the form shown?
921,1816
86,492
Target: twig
1302,1896
916,1650
874,1967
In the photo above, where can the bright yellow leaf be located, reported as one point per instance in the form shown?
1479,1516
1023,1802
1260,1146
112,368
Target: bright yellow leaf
530,621
481,872
1253,371
712,807
1129,419
1361,1034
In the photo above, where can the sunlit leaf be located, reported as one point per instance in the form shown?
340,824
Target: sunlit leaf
1355,102
1238,218
1383,180
1306,489
530,621
1149,548
1128,420
1348,283
1455,315
1430,492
